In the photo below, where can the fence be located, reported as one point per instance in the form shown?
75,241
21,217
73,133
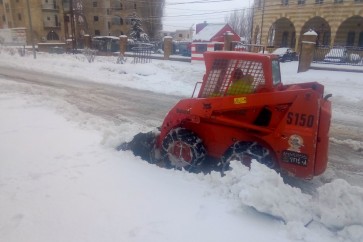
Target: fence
339,55
142,53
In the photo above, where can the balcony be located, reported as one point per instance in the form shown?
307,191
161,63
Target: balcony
50,7
52,25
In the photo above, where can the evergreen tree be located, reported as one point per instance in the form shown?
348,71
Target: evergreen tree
137,32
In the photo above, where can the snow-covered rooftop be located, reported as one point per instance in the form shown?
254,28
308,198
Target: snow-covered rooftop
208,32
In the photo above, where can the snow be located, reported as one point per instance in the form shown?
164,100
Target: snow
62,180
311,32
208,32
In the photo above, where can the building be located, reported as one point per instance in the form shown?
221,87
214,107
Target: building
210,37
184,34
113,17
47,18
281,23
52,21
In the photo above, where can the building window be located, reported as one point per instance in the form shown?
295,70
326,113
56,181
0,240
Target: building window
117,20
350,38
52,36
4,19
358,1
109,25
360,40
97,32
338,1
293,40
218,47
319,1
134,5
285,2
95,18
285,37
95,4
7,7
300,2
19,16
180,35
326,38
201,48
108,11
1,1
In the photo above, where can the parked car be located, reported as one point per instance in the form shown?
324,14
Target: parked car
340,55
285,54
337,55
354,58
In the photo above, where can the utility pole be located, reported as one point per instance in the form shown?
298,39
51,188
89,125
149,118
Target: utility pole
31,29
263,16
73,27
252,21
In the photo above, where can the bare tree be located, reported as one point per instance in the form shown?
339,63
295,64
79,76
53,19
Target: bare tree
241,22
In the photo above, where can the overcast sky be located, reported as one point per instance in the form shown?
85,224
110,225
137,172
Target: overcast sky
182,14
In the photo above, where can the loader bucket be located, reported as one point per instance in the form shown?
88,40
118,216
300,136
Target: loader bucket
143,145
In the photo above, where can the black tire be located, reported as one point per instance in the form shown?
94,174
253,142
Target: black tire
182,148
245,151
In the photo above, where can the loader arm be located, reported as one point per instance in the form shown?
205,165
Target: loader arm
219,109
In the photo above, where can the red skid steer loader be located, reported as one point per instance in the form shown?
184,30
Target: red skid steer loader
244,112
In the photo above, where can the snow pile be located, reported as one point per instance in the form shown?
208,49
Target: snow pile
176,78
263,189
340,205
337,205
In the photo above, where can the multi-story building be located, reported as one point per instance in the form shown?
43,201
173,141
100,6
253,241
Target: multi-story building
281,23
47,17
52,19
113,17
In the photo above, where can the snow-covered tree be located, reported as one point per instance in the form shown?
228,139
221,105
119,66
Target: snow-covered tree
137,33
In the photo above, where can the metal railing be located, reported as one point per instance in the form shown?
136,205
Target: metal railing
339,55
51,24
142,53
50,6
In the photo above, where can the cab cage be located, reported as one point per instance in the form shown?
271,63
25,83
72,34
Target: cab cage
220,74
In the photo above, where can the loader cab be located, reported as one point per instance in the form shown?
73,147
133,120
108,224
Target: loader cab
262,72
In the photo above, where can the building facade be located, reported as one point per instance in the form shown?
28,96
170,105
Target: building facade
47,18
281,23
52,19
113,17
